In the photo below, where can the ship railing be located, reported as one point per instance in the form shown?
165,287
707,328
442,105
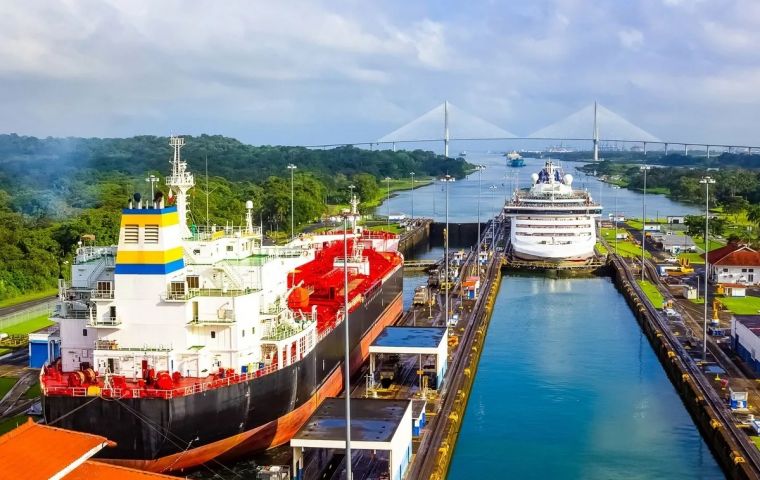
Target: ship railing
102,294
166,394
203,233
281,332
104,322
204,292
87,254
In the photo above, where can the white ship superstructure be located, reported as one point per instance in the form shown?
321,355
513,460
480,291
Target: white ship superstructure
183,298
550,220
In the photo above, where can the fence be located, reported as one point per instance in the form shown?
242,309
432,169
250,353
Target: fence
22,316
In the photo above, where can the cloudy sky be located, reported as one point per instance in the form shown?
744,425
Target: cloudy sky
319,71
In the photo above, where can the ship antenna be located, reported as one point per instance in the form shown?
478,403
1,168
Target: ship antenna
180,182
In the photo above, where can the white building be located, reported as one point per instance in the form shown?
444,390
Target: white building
735,263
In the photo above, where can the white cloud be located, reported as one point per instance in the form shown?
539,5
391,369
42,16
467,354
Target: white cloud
631,38
313,71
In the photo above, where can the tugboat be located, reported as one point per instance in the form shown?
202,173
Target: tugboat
184,344
515,159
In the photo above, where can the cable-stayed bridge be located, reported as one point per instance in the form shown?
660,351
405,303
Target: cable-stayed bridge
594,124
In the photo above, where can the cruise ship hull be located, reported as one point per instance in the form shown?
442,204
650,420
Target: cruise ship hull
233,421
552,253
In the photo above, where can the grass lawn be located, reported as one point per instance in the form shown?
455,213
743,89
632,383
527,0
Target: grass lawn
601,248
755,440
694,258
635,223
29,326
625,248
6,383
652,293
393,228
742,305
33,392
628,249
9,424
27,297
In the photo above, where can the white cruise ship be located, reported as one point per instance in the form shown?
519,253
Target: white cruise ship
550,220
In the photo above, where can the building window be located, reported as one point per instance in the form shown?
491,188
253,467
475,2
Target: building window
253,330
193,281
243,332
229,248
131,234
744,270
213,334
151,233
177,288
84,332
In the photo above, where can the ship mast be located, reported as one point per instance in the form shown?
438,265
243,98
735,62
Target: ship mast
180,182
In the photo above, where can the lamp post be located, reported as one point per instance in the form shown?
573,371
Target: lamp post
480,169
388,201
493,220
706,180
448,179
412,174
346,347
292,169
615,216
643,168
152,179
351,201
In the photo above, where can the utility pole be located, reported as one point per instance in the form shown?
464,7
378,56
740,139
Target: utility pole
412,174
706,180
480,175
643,168
292,169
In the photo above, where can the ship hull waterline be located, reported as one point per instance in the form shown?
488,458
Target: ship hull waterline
234,421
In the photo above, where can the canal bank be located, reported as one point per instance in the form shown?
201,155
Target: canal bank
736,453
568,387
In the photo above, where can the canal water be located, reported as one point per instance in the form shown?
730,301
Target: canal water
569,387
430,200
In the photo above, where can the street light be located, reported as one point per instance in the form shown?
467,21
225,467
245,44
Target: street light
388,201
643,168
615,216
347,371
351,202
152,179
292,169
412,174
706,180
493,220
480,169
447,179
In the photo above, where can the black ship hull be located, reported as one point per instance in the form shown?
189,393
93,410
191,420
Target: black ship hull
263,412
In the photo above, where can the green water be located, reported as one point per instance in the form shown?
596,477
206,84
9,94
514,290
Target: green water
569,387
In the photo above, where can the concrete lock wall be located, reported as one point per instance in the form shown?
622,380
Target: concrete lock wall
719,438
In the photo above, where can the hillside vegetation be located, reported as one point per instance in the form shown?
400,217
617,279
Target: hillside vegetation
54,190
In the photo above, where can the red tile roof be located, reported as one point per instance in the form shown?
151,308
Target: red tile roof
90,470
734,255
41,451
33,451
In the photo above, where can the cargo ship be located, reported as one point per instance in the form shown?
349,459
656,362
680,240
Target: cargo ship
515,159
184,344
551,221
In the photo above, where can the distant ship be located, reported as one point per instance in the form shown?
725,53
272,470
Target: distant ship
515,159
550,220
463,153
